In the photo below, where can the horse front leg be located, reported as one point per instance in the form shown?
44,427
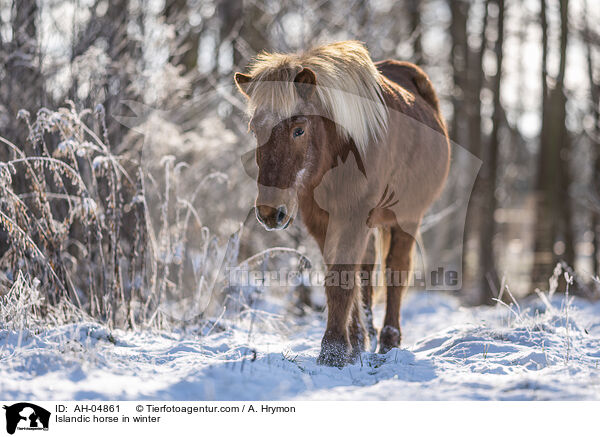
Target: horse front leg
342,292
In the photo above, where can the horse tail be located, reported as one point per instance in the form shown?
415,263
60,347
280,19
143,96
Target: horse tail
383,238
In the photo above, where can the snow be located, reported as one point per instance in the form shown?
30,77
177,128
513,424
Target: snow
449,352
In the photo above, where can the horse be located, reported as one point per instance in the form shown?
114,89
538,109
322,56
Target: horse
361,150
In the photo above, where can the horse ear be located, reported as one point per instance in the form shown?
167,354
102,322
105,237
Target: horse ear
242,80
305,82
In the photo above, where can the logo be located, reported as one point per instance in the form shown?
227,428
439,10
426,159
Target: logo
26,416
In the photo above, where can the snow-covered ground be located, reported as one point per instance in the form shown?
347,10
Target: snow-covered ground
449,352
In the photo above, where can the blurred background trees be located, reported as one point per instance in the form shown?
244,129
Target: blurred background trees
519,83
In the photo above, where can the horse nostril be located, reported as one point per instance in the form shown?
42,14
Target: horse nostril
281,213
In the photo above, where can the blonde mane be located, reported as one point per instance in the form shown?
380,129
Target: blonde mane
349,88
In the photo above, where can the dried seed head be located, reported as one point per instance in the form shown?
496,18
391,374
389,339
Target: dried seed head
23,114
99,111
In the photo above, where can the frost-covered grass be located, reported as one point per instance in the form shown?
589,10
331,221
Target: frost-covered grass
74,218
546,348
103,233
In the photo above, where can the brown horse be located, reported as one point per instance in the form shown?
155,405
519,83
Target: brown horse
360,148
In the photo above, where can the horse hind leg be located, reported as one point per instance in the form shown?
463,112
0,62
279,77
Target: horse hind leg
357,330
363,335
399,260
365,307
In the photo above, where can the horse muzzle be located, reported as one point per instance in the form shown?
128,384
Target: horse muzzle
273,219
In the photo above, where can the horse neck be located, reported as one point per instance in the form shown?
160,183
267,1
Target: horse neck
336,147
332,147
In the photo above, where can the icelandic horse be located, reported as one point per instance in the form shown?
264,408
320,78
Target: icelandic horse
360,148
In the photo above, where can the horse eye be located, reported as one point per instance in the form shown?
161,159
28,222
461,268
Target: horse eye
298,131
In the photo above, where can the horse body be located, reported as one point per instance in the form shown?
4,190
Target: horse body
344,182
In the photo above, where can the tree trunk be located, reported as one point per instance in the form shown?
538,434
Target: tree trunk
187,37
595,110
459,59
475,139
566,206
24,84
489,278
414,15
553,219
475,75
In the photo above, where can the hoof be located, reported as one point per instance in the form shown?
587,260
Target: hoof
334,353
388,339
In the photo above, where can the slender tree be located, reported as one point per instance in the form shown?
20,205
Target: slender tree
475,84
595,135
414,15
489,280
459,56
553,219
23,85
187,36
